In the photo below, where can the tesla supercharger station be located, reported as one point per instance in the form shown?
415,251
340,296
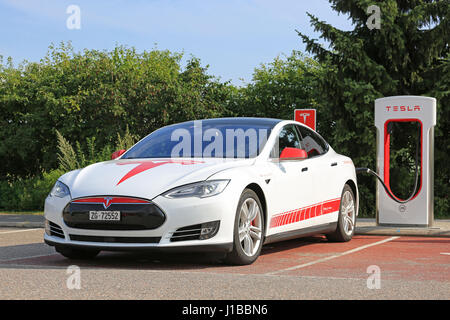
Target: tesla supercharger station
418,211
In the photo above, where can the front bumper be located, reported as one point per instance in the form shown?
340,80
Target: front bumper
225,247
180,213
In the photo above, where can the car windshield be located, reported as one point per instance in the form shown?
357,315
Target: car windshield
213,138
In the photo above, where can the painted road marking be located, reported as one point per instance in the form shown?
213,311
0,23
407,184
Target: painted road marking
20,231
331,257
446,253
29,257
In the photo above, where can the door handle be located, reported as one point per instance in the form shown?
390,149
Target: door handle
304,169
334,164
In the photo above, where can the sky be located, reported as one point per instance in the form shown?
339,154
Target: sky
233,37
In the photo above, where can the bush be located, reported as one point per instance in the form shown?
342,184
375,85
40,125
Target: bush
27,194
30,193
97,94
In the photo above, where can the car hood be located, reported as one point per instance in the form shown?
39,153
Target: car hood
143,178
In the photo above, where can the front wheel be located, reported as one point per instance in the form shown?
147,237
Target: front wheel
347,217
248,230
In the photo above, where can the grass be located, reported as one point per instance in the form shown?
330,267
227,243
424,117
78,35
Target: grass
33,213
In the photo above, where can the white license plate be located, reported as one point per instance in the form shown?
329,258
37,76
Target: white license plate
104,215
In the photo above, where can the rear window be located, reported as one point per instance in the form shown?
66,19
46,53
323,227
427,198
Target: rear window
311,142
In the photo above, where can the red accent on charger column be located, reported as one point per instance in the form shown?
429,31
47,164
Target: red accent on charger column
387,154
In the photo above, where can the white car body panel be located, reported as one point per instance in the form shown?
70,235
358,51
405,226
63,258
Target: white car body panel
105,176
287,190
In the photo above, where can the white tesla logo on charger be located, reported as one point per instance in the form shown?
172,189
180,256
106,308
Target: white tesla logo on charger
304,115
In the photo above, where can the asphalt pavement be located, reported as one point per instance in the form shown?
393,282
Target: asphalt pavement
368,267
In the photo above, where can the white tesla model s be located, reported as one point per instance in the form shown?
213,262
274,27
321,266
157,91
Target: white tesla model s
218,185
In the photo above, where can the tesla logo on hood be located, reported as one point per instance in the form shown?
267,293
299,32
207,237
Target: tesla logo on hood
145,165
107,202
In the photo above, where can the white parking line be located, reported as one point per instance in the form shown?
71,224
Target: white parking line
29,257
331,257
20,231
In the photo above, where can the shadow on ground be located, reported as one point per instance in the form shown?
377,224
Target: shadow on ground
39,255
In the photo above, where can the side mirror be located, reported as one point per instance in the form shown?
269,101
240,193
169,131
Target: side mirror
293,154
117,154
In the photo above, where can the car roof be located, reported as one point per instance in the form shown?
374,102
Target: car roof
240,120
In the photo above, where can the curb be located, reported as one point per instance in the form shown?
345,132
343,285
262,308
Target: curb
22,221
392,231
25,224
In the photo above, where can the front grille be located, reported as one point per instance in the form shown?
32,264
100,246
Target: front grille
56,230
187,233
135,214
76,237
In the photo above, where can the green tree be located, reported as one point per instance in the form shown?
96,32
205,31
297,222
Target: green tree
279,87
404,57
441,91
97,94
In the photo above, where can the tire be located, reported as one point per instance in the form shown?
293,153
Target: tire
347,217
248,230
77,254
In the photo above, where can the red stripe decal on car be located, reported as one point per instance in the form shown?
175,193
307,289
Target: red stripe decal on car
113,200
107,201
305,213
144,165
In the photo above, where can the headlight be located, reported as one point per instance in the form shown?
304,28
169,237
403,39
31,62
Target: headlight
60,190
199,189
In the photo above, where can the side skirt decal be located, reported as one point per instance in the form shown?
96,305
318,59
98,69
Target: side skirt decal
304,232
305,213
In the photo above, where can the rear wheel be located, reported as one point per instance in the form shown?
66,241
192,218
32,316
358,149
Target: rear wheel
248,230
80,254
347,217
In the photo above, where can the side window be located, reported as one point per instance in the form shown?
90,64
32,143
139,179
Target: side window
313,144
288,137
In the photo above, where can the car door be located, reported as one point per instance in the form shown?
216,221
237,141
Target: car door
326,177
292,186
